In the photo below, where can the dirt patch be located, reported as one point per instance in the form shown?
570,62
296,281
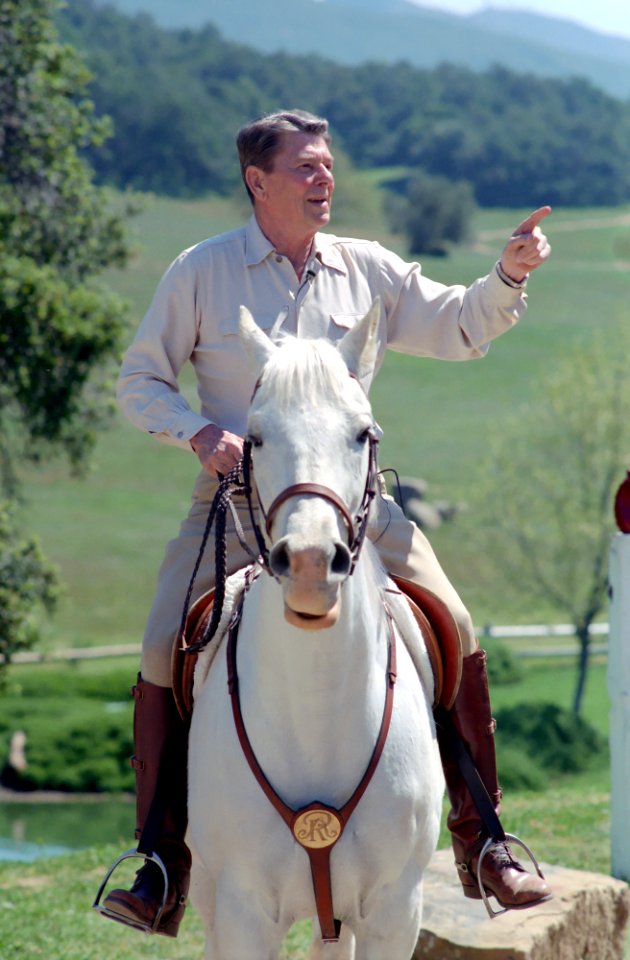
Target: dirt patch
27,883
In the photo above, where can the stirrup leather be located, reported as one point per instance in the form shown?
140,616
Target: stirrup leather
133,854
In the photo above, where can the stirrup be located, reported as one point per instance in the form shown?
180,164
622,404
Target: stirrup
133,854
490,842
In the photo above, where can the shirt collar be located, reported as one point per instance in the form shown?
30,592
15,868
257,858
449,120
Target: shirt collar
258,248
325,249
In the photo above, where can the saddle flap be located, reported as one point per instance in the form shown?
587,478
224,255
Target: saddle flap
182,663
441,636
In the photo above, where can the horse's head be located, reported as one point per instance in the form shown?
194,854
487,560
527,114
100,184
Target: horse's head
312,432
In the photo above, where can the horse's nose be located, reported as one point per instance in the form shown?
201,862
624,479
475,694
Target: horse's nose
330,563
341,563
279,558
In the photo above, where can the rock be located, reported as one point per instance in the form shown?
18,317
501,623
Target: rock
17,751
413,487
422,513
585,920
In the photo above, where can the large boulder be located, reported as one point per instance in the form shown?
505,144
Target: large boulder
586,919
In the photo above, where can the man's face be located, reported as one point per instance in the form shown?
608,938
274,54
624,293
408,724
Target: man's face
298,190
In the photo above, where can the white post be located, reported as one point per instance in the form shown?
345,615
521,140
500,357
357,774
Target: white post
619,690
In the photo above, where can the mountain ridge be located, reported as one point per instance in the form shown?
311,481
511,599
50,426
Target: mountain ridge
393,30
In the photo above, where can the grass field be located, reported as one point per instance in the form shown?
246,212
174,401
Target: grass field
107,532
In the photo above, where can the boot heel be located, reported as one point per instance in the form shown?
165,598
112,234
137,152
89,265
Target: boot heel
472,893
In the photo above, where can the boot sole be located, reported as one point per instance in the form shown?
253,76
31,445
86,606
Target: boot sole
474,893
122,912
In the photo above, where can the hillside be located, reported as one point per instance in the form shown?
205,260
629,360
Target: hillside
353,31
511,135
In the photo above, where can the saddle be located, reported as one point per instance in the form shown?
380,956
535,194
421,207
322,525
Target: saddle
435,621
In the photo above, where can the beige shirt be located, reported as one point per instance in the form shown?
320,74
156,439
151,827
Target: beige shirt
195,313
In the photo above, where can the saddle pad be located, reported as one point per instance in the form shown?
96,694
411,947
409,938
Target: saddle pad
438,628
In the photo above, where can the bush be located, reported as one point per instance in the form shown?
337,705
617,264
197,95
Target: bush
434,214
518,770
555,739
74,745
503,667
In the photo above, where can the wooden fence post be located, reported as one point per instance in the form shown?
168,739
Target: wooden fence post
619,686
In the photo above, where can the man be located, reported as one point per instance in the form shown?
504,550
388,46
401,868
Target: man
295,279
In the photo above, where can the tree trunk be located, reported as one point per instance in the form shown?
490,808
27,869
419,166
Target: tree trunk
583,636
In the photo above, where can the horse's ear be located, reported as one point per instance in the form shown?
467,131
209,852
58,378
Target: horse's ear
360,344
258,346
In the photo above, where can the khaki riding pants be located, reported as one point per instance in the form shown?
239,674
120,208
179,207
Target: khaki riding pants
402,547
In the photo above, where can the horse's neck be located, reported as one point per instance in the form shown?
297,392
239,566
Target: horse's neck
346,653
319,693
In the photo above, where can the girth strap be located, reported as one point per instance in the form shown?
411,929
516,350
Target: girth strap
316,827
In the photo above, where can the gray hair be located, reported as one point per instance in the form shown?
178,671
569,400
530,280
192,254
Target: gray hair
259,141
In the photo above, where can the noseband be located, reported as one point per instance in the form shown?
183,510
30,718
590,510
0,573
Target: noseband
356,527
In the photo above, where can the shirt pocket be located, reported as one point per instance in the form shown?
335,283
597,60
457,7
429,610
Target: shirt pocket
229,324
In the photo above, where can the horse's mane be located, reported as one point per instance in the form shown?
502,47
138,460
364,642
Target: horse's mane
300,365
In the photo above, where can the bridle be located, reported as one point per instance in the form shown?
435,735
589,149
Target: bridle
318,826
240,481
356,527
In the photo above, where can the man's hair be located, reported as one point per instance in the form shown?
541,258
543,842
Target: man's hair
259,141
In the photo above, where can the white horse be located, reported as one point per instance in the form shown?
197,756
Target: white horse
312,665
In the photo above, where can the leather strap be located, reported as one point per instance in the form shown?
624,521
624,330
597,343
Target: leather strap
325,493
317,827
476,787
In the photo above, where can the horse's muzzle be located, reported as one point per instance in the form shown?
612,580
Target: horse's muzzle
311,578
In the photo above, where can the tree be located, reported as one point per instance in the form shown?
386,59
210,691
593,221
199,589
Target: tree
59,326
433,213
547,487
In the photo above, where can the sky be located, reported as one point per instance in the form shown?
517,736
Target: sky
606,16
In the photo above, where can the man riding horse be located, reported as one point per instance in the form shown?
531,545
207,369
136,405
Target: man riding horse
296,279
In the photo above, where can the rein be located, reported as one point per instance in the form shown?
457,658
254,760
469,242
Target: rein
317,827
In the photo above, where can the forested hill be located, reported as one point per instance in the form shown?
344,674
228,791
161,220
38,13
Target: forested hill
176,98
353,31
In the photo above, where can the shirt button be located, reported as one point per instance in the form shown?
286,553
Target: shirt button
180,434
278,258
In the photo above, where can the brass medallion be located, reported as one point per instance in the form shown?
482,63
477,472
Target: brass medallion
317,828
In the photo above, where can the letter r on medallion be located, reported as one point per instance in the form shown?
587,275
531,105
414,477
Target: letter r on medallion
317,828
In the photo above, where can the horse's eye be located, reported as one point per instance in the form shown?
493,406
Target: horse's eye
255,440
364,436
